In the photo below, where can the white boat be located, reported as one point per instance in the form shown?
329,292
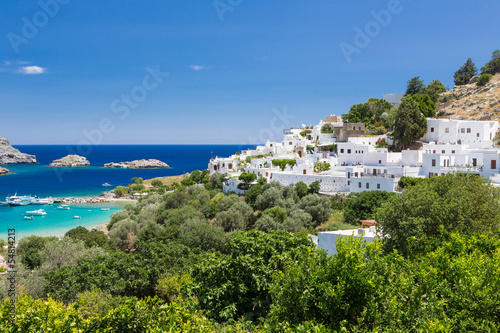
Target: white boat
107,184
63,207
104,208
78,217
38,212
28,217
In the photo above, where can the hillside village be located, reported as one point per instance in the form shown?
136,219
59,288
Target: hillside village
349,159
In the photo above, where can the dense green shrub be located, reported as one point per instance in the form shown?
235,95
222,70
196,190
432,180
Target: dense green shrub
363,205
484,79
237,283
425,214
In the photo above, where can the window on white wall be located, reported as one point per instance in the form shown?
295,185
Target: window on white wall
468,130
433,162
432,129
447,130
367,185
462,130
359,184
477,135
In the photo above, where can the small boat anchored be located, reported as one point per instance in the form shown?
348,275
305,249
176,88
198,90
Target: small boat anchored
63,207
28,217
77,217
104,208
107,184
38,212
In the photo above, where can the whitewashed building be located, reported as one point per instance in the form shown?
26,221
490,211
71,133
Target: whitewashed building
358,165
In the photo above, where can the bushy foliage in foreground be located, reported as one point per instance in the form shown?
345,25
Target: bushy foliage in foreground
437,269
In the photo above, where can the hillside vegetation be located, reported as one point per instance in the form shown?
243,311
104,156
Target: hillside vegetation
472,102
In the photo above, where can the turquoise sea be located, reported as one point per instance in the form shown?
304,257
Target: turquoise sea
42,181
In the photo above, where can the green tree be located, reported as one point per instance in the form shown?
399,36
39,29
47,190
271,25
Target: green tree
327,128
410,124
199,234
493,66
425,104
363,205
301,189
247,177
431,210
91,238
137,180
316,206
269,198
216,179
266,223
314,187
237,283
297,221
405,182
415,86
465,73
358,113
120,191
238,217
157,183
252,194
434,89
28,250
277,213
368,113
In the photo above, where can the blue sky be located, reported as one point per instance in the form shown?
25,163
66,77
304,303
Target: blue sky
238,70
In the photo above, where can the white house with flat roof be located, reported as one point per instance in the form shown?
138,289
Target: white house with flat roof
328,240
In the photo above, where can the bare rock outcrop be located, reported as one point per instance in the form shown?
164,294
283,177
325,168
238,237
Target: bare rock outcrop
3,171
11,155
139,164
71,161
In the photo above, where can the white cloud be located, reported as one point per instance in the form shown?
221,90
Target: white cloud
199,68
30,70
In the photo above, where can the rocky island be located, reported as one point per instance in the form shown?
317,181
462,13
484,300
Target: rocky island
11,155
139,164
70,161
3,171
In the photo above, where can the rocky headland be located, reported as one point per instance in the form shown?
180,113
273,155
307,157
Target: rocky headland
71,161
139,164
3,171
11,155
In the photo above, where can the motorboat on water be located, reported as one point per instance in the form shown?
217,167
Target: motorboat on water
104,208
78,217
28,217
107,184
63,207
38,212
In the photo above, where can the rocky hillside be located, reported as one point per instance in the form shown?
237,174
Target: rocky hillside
470,102
10,155
70,161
